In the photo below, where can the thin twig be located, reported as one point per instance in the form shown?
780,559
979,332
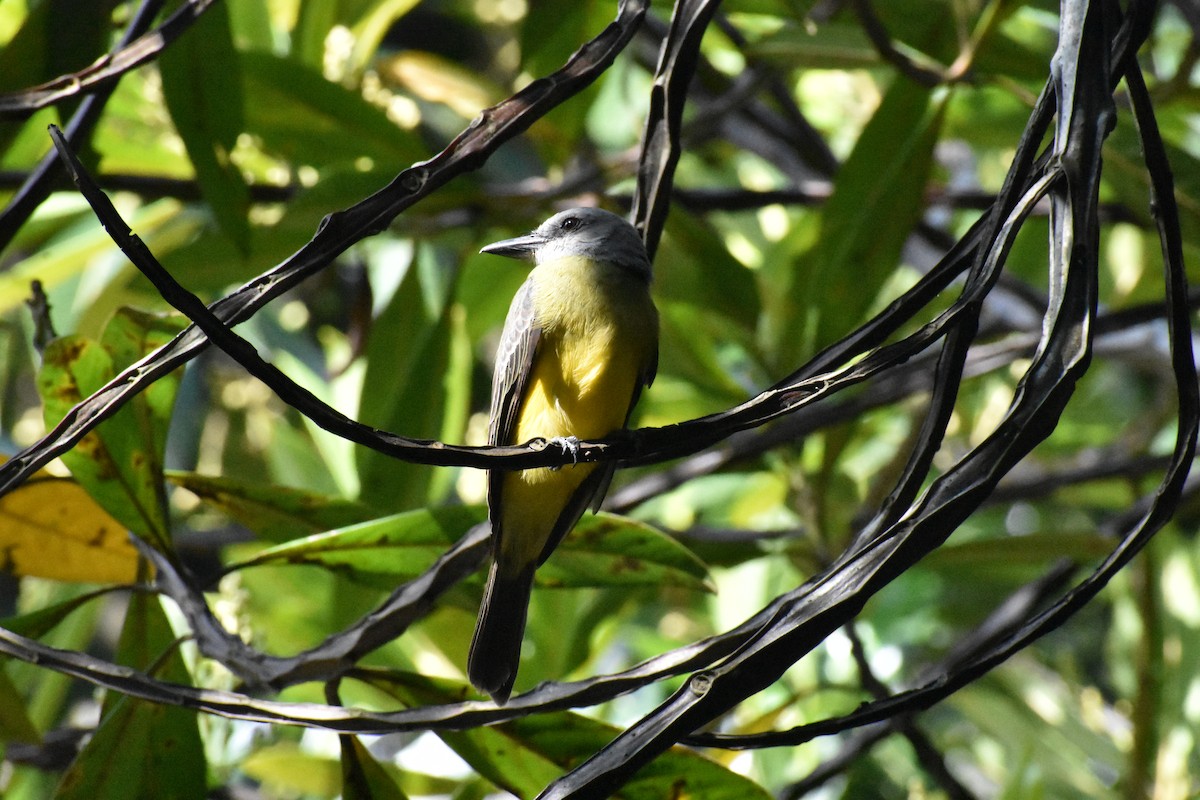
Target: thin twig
889,52
926,752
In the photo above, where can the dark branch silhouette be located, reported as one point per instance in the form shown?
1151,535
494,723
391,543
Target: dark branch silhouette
907,349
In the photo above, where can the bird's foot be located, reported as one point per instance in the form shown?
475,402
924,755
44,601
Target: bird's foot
569,444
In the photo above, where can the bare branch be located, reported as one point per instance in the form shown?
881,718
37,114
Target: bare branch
660,141
107,70
896,540
337,232
38,184
341,651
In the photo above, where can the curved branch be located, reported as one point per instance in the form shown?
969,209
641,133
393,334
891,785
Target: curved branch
107,70
339,652
337,232
660,141
839,594
37,185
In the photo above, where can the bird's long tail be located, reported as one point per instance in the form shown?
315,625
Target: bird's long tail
496,645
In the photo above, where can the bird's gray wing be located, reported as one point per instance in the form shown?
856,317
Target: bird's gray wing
514,363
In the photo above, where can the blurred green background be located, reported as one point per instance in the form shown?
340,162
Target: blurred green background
816,184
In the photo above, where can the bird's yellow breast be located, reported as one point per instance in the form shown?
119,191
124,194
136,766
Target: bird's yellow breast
599,338
599,334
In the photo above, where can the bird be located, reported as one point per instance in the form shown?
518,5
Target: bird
579,345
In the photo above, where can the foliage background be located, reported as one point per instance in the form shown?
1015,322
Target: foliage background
817,181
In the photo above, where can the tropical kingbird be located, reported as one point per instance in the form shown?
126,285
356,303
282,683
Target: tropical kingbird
579,343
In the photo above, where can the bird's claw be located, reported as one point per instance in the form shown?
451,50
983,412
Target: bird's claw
569,444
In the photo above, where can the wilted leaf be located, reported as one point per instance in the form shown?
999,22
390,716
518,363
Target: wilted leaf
51,528
120,462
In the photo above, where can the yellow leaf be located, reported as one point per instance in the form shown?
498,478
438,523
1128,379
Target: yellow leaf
50,528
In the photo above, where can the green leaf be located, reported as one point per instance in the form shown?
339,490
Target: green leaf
142,750
694,266
362,776
1003,707
54,38
370,30
383,551
290,771
278,513
404,390
202,86
1127,176
840,45
487,286
609,550
1019,552
250,24
314,20
525,755
547,39
120,462
679,772
692,343
209,261
36,624
15,725
110,765
302,117
24,57
68,254
602,550
129,335
456,384
877,200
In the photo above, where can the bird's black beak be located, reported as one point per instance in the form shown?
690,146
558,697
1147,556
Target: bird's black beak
520,247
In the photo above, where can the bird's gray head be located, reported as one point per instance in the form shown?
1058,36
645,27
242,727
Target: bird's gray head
590,232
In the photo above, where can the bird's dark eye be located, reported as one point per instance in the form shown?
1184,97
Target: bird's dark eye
570,223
